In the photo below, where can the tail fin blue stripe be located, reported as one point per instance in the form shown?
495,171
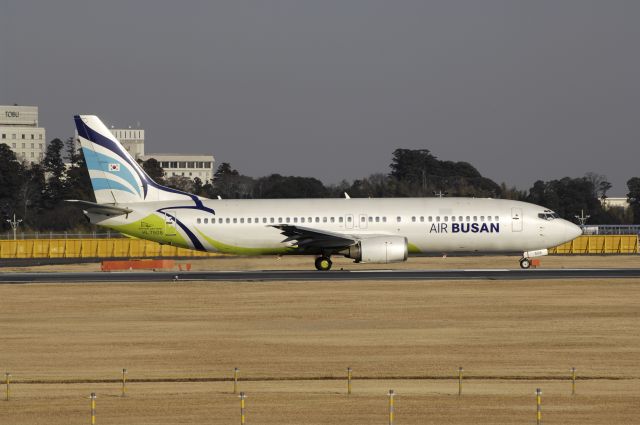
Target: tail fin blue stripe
95,137
100,162
99,184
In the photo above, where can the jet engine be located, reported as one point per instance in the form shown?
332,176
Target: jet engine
379,249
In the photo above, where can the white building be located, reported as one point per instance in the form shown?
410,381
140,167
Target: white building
191,166
19,130
132,139
615,203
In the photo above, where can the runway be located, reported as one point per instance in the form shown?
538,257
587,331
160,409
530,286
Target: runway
312,275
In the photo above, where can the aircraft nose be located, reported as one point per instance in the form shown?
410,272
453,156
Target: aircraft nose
572,231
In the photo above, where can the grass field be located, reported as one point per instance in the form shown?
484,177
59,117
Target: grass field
511,337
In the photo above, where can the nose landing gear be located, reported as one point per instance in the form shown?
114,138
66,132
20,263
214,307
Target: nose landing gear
323,263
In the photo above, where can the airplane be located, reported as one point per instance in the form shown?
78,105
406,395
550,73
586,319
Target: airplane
382,230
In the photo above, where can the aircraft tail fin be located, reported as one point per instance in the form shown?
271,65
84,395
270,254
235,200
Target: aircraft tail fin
116,177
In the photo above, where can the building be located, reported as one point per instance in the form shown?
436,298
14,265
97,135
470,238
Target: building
132,139
615,203
191,166
19,130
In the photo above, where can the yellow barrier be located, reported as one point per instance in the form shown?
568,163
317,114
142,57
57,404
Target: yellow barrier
600,244
92,248
139,248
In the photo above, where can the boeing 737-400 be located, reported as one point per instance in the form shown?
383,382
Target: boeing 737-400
365,230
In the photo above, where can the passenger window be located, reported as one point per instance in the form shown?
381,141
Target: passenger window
384,219
242,220
413,219
475,218
228,220
317,219
198,221
279,219
310,220
206,221
295,219
497,218
249,220
377,219
398,218
235,220
333,219
460,218
453,218
288,219
349,219
488,218
437,218
220,221
272,219
468,218
340,220
302,220
324,219
370,219
421,219
446,218
481,218
430,218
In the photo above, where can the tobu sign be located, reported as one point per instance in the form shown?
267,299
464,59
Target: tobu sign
12,114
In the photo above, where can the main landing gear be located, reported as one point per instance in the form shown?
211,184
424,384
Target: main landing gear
525,263
323,263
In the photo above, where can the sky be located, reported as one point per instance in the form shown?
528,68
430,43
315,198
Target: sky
523,90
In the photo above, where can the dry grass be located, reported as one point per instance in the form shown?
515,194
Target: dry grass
522,329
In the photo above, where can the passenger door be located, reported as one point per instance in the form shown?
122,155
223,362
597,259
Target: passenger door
516,219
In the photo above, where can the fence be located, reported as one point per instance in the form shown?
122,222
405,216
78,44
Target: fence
139,248
61,235
600,244
561,398
612,229
92,248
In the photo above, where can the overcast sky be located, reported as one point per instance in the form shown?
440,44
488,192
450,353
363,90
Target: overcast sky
524,90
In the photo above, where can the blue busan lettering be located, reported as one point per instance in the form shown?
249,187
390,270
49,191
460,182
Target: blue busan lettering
474,228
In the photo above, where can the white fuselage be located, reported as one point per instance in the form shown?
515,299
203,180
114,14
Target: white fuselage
429,224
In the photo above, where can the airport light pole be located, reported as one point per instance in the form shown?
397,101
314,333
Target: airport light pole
582,218
14,225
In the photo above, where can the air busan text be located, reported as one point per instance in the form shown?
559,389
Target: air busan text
465,228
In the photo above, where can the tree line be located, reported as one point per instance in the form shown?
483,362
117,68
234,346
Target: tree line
36,192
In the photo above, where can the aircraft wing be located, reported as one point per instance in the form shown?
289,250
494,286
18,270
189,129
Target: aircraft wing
313,238
104,209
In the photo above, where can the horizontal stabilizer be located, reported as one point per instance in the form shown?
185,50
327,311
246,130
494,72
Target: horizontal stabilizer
103,209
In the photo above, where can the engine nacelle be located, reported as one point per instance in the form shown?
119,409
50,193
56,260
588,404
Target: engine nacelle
379,249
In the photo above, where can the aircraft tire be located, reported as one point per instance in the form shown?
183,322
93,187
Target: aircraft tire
525,263
323,264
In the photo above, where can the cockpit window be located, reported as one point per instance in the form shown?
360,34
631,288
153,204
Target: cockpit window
548,215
